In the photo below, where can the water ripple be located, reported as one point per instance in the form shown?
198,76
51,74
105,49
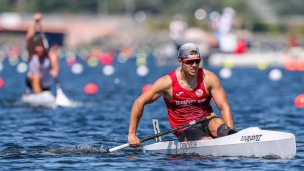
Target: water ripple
76,138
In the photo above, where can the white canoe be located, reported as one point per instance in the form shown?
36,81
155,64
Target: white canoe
44,99
250,142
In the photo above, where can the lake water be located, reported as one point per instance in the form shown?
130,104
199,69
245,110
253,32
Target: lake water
75,138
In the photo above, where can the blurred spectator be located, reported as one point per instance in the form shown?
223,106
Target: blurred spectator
226,20
227,40
241,46
292,41
177,30
215,24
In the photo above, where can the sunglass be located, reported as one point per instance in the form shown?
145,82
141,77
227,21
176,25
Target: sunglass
191,62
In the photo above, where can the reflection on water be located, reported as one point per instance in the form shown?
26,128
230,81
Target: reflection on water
80,150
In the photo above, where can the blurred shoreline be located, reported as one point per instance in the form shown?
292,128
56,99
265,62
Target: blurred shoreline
76,32
79,30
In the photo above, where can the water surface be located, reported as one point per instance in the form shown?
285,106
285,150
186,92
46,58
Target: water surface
75,138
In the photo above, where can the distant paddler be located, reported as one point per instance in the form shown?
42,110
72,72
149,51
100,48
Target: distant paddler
43,62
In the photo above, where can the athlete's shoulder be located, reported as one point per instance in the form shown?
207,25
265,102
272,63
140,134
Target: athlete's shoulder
210,78
163,83
52,54
164,80
208,73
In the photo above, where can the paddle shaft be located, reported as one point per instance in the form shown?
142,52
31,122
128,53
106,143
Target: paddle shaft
157,135
44,40
46,46
57,82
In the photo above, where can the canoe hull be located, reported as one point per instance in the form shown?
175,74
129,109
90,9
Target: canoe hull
44,99
250,142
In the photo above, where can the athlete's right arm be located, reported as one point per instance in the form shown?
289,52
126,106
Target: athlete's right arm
159,88
30,35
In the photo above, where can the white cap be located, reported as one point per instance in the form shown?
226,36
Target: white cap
184,50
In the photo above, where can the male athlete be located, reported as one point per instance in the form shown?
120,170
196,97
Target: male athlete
187,93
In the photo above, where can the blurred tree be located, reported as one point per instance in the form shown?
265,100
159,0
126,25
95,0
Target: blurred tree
165,10
154,7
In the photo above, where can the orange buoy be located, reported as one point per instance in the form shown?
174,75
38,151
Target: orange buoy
299,101
146,87
300,65
91,88
290,65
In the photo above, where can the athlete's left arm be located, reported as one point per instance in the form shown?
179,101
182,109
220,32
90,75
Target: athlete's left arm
54,63
219,95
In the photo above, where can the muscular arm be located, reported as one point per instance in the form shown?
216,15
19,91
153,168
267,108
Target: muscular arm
54,63
219,95
30,35
159,88
29,40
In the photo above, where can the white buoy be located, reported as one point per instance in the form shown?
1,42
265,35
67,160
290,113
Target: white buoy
275,74
225,73
77,68
116,81
1,66
108,70
142,70
21,67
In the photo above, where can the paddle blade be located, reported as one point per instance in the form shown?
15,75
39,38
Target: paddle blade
62,99
118,148
45,43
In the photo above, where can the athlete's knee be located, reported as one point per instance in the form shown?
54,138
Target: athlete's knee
216,121
224,130
213,125
207,138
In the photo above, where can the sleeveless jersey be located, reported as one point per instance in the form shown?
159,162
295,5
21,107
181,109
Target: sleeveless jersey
42,68
186,106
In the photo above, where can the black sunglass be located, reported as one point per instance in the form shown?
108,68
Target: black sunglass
191,62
